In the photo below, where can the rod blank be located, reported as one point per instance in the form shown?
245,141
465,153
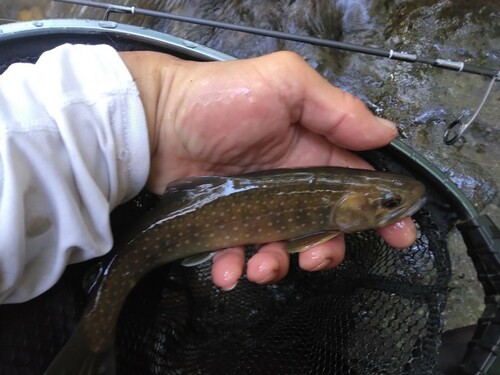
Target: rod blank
374,51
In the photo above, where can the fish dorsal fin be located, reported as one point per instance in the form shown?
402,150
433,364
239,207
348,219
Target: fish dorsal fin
299,244
182,193
195,182
181,196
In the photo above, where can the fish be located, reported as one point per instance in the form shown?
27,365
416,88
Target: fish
197,215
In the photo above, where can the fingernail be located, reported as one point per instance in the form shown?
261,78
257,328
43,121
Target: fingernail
230,287
230,278
270,278
325,263
386,123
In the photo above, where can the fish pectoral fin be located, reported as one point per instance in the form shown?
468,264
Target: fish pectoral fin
299,244
197,259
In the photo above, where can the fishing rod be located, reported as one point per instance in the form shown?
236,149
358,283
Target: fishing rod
454,130
374,51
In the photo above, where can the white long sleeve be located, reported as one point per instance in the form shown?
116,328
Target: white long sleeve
73,145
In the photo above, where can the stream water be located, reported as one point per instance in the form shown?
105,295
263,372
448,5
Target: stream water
421,100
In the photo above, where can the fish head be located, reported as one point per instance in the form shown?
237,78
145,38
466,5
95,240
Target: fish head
378,202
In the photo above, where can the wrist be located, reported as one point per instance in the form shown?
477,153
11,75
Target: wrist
145,73
153,74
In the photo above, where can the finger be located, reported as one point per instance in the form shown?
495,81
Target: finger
400,234
228,267
270,264
325,256
323,108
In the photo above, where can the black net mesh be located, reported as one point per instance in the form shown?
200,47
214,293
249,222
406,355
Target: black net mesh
377,313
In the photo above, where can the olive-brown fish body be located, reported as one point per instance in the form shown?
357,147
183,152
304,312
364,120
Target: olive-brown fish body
203,214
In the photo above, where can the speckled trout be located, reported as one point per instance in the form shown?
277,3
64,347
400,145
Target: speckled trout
302,207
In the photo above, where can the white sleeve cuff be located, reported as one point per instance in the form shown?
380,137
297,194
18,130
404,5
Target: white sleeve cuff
97,94
73,145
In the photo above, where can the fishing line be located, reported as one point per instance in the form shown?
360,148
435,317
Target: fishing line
7,20
454,130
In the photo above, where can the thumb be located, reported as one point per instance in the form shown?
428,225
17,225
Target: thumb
322,108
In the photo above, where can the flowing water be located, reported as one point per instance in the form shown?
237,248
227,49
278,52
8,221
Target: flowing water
420,99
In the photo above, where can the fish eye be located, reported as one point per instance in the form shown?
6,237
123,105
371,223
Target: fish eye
391,201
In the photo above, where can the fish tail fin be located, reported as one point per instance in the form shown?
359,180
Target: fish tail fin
76,358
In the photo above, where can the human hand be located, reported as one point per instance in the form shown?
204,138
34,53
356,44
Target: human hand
240,116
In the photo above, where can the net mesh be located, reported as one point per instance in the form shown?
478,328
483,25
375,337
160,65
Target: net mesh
379,312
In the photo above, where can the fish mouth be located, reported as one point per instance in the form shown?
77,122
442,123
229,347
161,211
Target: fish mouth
416,206
403,212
